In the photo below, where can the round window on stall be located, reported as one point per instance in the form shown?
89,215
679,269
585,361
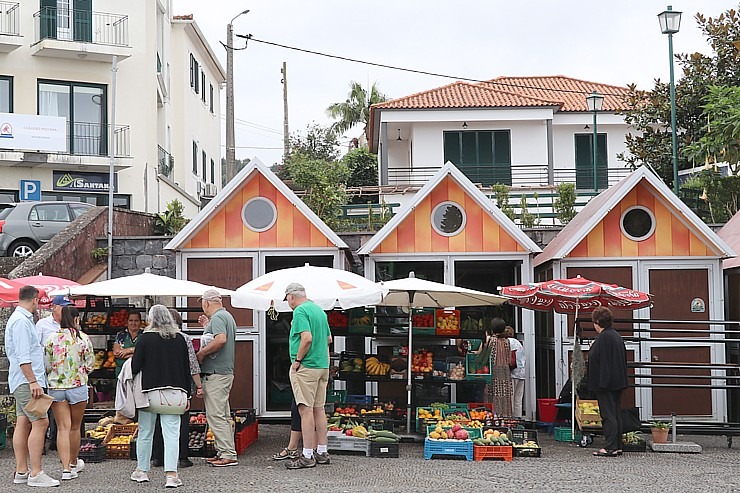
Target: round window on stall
448,218
259,214
638,223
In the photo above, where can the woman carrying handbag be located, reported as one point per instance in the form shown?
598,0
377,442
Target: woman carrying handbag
162,358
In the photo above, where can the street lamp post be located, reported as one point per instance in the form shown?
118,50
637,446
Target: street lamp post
230,144
670,23
594,102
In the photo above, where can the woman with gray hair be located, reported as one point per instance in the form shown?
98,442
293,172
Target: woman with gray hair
162,358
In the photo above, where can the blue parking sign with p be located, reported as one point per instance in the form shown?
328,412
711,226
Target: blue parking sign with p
30,190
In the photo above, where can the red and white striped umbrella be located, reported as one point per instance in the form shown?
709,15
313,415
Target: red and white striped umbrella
574,295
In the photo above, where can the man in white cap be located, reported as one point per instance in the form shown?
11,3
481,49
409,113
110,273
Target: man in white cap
50,325
217,375
308,344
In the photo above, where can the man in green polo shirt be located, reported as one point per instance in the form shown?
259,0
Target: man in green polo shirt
309,374
217,374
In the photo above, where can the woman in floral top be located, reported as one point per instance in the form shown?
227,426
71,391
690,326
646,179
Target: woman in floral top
69,358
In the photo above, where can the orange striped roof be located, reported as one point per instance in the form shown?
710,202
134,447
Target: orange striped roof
225,229
481,233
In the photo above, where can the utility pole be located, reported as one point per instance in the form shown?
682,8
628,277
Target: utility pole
230,144
230,149
286,134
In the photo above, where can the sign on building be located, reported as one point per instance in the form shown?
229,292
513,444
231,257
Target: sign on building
80,181
30,190
33,132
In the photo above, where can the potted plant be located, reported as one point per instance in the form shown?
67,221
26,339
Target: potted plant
660,429
633,442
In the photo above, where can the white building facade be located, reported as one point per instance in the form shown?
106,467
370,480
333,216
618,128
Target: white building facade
56,60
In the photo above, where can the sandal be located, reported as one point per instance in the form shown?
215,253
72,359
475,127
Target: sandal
286,453
606,453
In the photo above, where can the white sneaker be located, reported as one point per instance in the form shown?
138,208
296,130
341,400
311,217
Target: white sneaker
67,475
42,480
21,477
173,482
139,476
79,467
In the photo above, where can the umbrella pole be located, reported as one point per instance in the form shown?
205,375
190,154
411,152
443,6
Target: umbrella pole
408,371
573,380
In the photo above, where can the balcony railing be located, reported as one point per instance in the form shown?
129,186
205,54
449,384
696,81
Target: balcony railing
91,139
81,25
521,175
10,18
166,163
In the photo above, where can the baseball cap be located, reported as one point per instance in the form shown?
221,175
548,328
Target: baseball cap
211,295
61,300
292,288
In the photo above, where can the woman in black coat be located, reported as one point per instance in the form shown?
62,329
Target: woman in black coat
607,378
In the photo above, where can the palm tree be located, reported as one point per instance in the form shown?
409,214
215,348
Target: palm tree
356,109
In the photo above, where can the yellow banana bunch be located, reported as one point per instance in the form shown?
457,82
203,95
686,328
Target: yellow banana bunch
374,367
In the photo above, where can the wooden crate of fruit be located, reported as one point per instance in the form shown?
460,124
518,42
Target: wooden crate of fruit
118,441
587,414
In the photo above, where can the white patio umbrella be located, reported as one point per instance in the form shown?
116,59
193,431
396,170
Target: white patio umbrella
412,292
327,287
146,284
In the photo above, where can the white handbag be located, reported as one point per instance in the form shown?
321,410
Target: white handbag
167,401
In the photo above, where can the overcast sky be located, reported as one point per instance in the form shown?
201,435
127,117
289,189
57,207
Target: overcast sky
615,42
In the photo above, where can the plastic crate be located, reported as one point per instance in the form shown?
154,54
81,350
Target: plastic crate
520,436
121,313
336,396
527,451
471,325
348,362
347,444
96,454
447,448
481,452
197,451
564,434
423,321
473,433
471,367
635,447
358,399
547,410
422,423
95,319
448,413
246,437
476,405
450,330
338,321
383,450
361,321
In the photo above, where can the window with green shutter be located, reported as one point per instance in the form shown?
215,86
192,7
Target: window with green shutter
82,20
585,162
484,156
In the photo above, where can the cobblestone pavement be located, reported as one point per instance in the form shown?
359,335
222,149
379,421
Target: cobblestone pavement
562,467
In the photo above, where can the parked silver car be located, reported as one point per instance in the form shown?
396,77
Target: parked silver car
25,226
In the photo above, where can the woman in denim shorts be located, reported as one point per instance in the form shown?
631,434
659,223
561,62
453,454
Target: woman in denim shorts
69,358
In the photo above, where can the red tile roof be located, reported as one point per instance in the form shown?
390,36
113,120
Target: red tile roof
466,95
570,92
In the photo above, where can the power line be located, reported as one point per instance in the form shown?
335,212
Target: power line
249,37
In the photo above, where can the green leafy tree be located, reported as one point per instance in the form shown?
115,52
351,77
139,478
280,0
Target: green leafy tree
502,200
318,143
721,139
363,172
649,112
323,184
565,202
171,221
355,109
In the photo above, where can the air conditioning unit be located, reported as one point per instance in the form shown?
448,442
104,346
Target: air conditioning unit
211,190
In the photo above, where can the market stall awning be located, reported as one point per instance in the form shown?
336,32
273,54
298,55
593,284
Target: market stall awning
141,285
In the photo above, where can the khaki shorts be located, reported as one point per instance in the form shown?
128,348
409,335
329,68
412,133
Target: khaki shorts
22,396
309,385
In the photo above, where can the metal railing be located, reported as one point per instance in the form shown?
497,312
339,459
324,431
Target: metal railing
166,162
91,139
10,18
80,25
518,175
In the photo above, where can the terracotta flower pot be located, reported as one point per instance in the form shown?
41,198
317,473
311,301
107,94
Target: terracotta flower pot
660,435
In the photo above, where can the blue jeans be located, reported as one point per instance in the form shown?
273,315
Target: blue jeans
171,434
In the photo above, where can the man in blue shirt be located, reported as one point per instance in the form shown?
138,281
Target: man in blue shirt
27,379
